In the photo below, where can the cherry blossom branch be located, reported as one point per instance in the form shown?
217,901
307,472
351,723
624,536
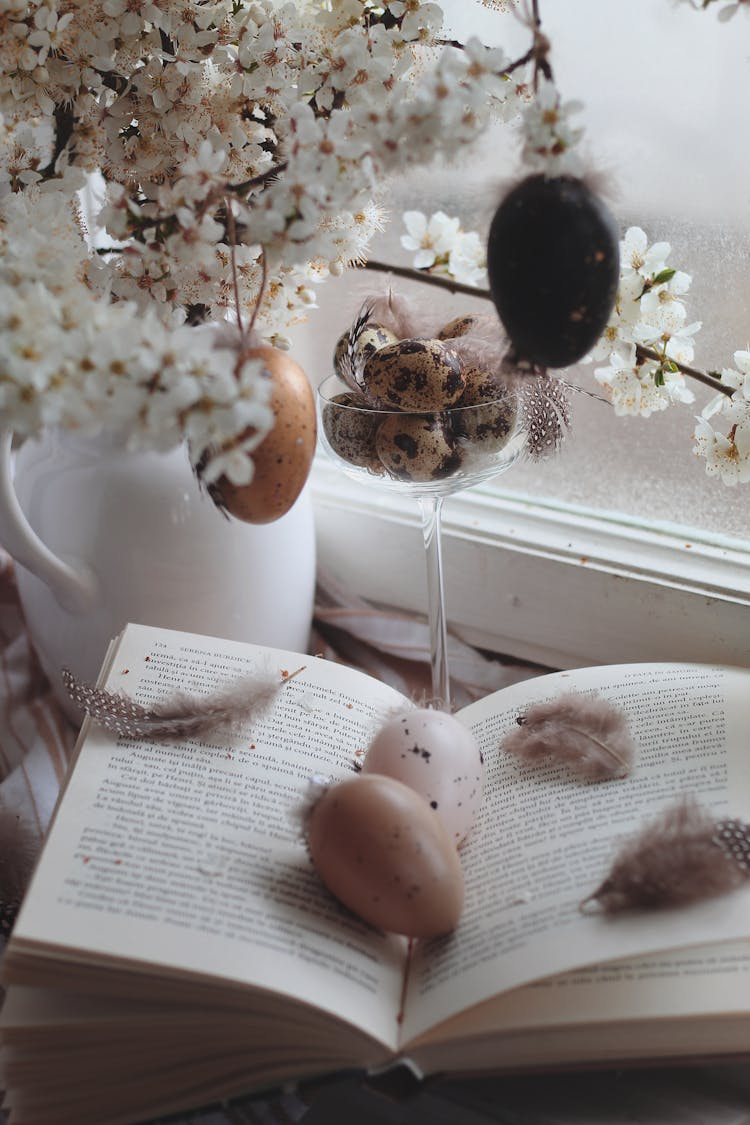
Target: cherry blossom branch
64,122
537,53
260,180
642,352
427,278
708,379
232,235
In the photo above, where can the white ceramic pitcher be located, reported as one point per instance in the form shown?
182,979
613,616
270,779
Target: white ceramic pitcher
104,536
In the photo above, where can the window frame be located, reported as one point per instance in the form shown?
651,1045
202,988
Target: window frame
543,581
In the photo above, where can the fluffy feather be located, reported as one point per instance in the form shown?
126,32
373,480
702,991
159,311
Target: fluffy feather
586,732
407,317
181,715
350,363
682,857
485,346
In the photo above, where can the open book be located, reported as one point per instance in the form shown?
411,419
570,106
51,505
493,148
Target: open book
176,947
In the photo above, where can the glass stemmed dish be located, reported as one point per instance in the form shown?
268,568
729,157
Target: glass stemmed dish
428,455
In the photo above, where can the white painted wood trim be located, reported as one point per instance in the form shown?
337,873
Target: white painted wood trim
545,583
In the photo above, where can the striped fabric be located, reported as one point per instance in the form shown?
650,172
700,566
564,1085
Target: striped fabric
36,740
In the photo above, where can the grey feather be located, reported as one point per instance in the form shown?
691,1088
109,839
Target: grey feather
351,363
682,857
179,716
586,732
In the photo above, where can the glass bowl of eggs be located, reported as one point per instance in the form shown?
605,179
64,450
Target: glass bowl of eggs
414,416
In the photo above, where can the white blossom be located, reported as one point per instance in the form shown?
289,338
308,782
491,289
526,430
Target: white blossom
641,387
439,245
728,454
244,148
467,261
430,238
549,138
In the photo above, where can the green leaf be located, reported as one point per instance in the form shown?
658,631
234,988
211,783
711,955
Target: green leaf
659,377
663,276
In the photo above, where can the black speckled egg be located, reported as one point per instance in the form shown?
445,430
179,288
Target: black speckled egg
413,375
554,265
351,432
417,447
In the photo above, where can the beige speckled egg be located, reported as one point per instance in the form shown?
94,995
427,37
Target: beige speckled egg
351,432
436,756
413,375
461,325
282,460
491,422
379,848
369,340
417,447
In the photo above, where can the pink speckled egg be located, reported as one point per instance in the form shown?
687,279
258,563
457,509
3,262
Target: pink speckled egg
437,756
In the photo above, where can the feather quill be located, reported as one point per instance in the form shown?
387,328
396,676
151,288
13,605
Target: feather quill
586,732
181,715
351,365
407,317
682,857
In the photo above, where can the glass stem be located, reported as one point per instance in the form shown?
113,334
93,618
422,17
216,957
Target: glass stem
431,508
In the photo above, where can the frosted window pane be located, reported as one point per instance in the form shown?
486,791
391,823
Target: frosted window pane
666,90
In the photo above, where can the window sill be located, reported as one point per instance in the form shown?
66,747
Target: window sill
544,583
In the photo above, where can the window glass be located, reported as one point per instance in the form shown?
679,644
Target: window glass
665,89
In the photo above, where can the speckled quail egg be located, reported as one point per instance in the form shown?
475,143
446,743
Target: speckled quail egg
413,375
491,421
417,447
350,427
366,343
462,325
436,755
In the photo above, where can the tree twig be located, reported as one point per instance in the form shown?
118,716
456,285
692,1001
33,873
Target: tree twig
642,352
427,278
232,236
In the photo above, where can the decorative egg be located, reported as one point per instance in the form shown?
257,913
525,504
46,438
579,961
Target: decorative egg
369,340
379,848
413,375
492,420
462,325
554,265
437,757
417,447
351,432
282,460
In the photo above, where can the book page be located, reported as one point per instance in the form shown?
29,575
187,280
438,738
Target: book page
544,840
187,855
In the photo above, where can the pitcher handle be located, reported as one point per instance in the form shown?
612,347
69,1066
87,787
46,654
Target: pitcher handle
75,587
